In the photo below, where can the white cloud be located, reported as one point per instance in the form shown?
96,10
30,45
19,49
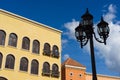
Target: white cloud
66,56
64,41
109,16
111,52
70,26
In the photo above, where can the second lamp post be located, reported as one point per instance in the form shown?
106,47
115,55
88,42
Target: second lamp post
85,32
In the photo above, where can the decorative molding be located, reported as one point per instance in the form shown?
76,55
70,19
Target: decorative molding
75,67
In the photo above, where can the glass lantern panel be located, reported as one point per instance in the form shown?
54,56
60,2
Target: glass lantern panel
107,29
84,34
77,34
87,22
99,30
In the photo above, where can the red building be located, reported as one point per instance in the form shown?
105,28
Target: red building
73,70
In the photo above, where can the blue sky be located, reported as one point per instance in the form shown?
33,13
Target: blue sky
65,15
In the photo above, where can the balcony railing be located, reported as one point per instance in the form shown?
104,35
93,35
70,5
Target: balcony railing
55,74
45,72
51,73
56,55
46,52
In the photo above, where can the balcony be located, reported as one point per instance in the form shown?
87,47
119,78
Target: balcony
46,52
45,72
55,74
55,54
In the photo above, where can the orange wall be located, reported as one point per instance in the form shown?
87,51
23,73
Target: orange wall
75,74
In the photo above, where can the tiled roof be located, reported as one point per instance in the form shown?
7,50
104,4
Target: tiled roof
72,62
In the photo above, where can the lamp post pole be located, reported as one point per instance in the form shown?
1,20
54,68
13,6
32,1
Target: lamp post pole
85,32
93,58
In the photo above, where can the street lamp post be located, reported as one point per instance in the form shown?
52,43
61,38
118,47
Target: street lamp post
85,32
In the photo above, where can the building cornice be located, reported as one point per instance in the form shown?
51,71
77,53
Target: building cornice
76,67
104,75
32,21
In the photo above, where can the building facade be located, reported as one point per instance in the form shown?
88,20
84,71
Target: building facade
28,50
72,70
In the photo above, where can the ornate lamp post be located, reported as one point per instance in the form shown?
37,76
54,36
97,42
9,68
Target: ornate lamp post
85,32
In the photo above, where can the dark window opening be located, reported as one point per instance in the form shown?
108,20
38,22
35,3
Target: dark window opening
46,69
10,60
24,64
25,43
55,70
2,37
34,67
55,51
46,49
1,56
13,40
36,46
2,78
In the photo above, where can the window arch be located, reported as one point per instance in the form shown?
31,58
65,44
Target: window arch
1,56
2,37
55,51
2,78
10,60
55,70
24,64
26,43
47,49
34,67
36,46
12,40
46,69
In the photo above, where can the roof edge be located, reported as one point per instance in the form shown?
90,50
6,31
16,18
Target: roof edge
35,22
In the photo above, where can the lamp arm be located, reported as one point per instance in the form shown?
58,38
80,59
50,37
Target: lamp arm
83,43
97,39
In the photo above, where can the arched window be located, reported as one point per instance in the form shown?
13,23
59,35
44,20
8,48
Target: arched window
55,70
46,69
47,49
34,67
1,56
10,60
24,64
25,43
2,37
55,51
13,40
36,46
2,78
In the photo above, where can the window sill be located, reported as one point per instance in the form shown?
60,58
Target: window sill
12,47
25,50
9,69
2,46
35,54
34,74
23,71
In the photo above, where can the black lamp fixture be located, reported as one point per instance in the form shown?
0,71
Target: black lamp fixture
85,31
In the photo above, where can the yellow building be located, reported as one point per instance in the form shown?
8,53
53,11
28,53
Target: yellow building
28,50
